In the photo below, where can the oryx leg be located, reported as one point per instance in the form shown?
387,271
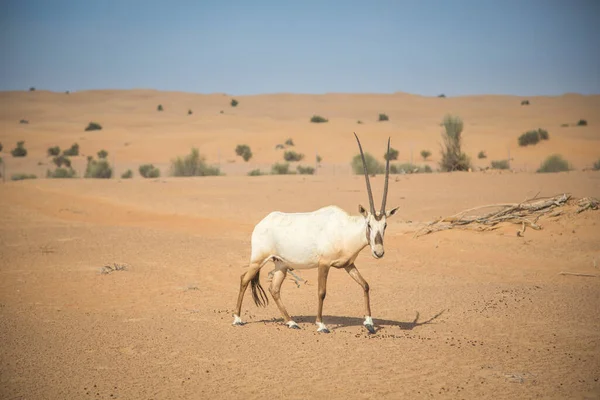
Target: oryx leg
353,272
279,275
245,279
323,273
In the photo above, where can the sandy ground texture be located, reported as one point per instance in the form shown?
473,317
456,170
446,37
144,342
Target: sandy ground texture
459,313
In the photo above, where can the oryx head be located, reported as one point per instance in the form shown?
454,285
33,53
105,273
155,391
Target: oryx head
376,221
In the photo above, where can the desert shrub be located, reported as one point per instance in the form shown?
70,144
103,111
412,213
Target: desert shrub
453,158
543,134
317,119
22,176
442,96
292,156
564,125
234,103
393,154
525,103
127,174
190,112
554,163
192,165
305,170
61,173
500,164
319,159
595,167
408,168
359,122
159,108
23,121
373,166
425,154
102,154
221,112
529,137
244,151
279,147
289,142
582,122
20,150
61,160
72,151
93,126
280,169
98,169
481,154
1,147
32,89
149,171
383,117
255,172
53,151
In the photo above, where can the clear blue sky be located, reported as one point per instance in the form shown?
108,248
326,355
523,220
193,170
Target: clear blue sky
456,47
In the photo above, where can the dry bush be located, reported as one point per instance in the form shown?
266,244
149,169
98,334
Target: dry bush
453,158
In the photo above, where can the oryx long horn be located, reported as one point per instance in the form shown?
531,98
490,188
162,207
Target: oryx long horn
387,175
369,192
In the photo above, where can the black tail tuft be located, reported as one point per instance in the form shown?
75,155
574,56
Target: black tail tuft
258,293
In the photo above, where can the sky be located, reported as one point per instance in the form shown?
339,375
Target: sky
426,47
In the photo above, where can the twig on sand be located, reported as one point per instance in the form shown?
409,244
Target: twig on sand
578,274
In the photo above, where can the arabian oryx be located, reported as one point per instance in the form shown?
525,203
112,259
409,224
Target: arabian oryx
322,239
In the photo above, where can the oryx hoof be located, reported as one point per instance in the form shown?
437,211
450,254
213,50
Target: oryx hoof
370,328
322,328
237,321
369,324
292,325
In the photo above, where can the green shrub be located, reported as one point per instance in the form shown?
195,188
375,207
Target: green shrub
393,154
21,176
159,108
59,161
127,174
20,150
244,151
32,89
292,156
373,166
192,165
596,166
554,163
98,169
149,171
533,136
481,155
319,159
102,154
359,122
234,103
453,158
582,122
72,151
408,168
93,126
383,117
564,125
53,151
525,103
61,173
289,142
317,119
190,112
280,169
23,121
543,134
255,172
442,96
500,164
425,154
305,170
1,147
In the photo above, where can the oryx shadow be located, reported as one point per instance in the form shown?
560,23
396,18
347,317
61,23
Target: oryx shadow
335,322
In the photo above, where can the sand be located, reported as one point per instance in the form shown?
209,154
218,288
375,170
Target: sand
459,314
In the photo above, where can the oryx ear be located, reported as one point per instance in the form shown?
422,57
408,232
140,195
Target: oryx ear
391,212
362,210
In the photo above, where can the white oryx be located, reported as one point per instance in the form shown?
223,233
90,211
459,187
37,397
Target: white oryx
325,238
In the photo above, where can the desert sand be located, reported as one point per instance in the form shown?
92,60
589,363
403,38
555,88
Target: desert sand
459,313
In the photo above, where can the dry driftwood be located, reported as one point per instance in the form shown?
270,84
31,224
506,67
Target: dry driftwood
525,213
578,274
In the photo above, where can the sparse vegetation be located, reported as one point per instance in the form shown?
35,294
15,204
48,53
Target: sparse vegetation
359,122
72,151
20,150
393,154
149,171
532,137
317,119
442,96
500,164
234,103
61,173
280,169
292,156
305,170
190,112
279,146
192,165
481,155
564,125
127,174
102,154
373,166
408,168
289,142
22,176
32,89
453,158
554,163
159,108
1,147
319,159
61,160
23,121
383,117
93,126
53,151
543,134
243,150
425,154
595,167
98,169
525,102
255,172
582,122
